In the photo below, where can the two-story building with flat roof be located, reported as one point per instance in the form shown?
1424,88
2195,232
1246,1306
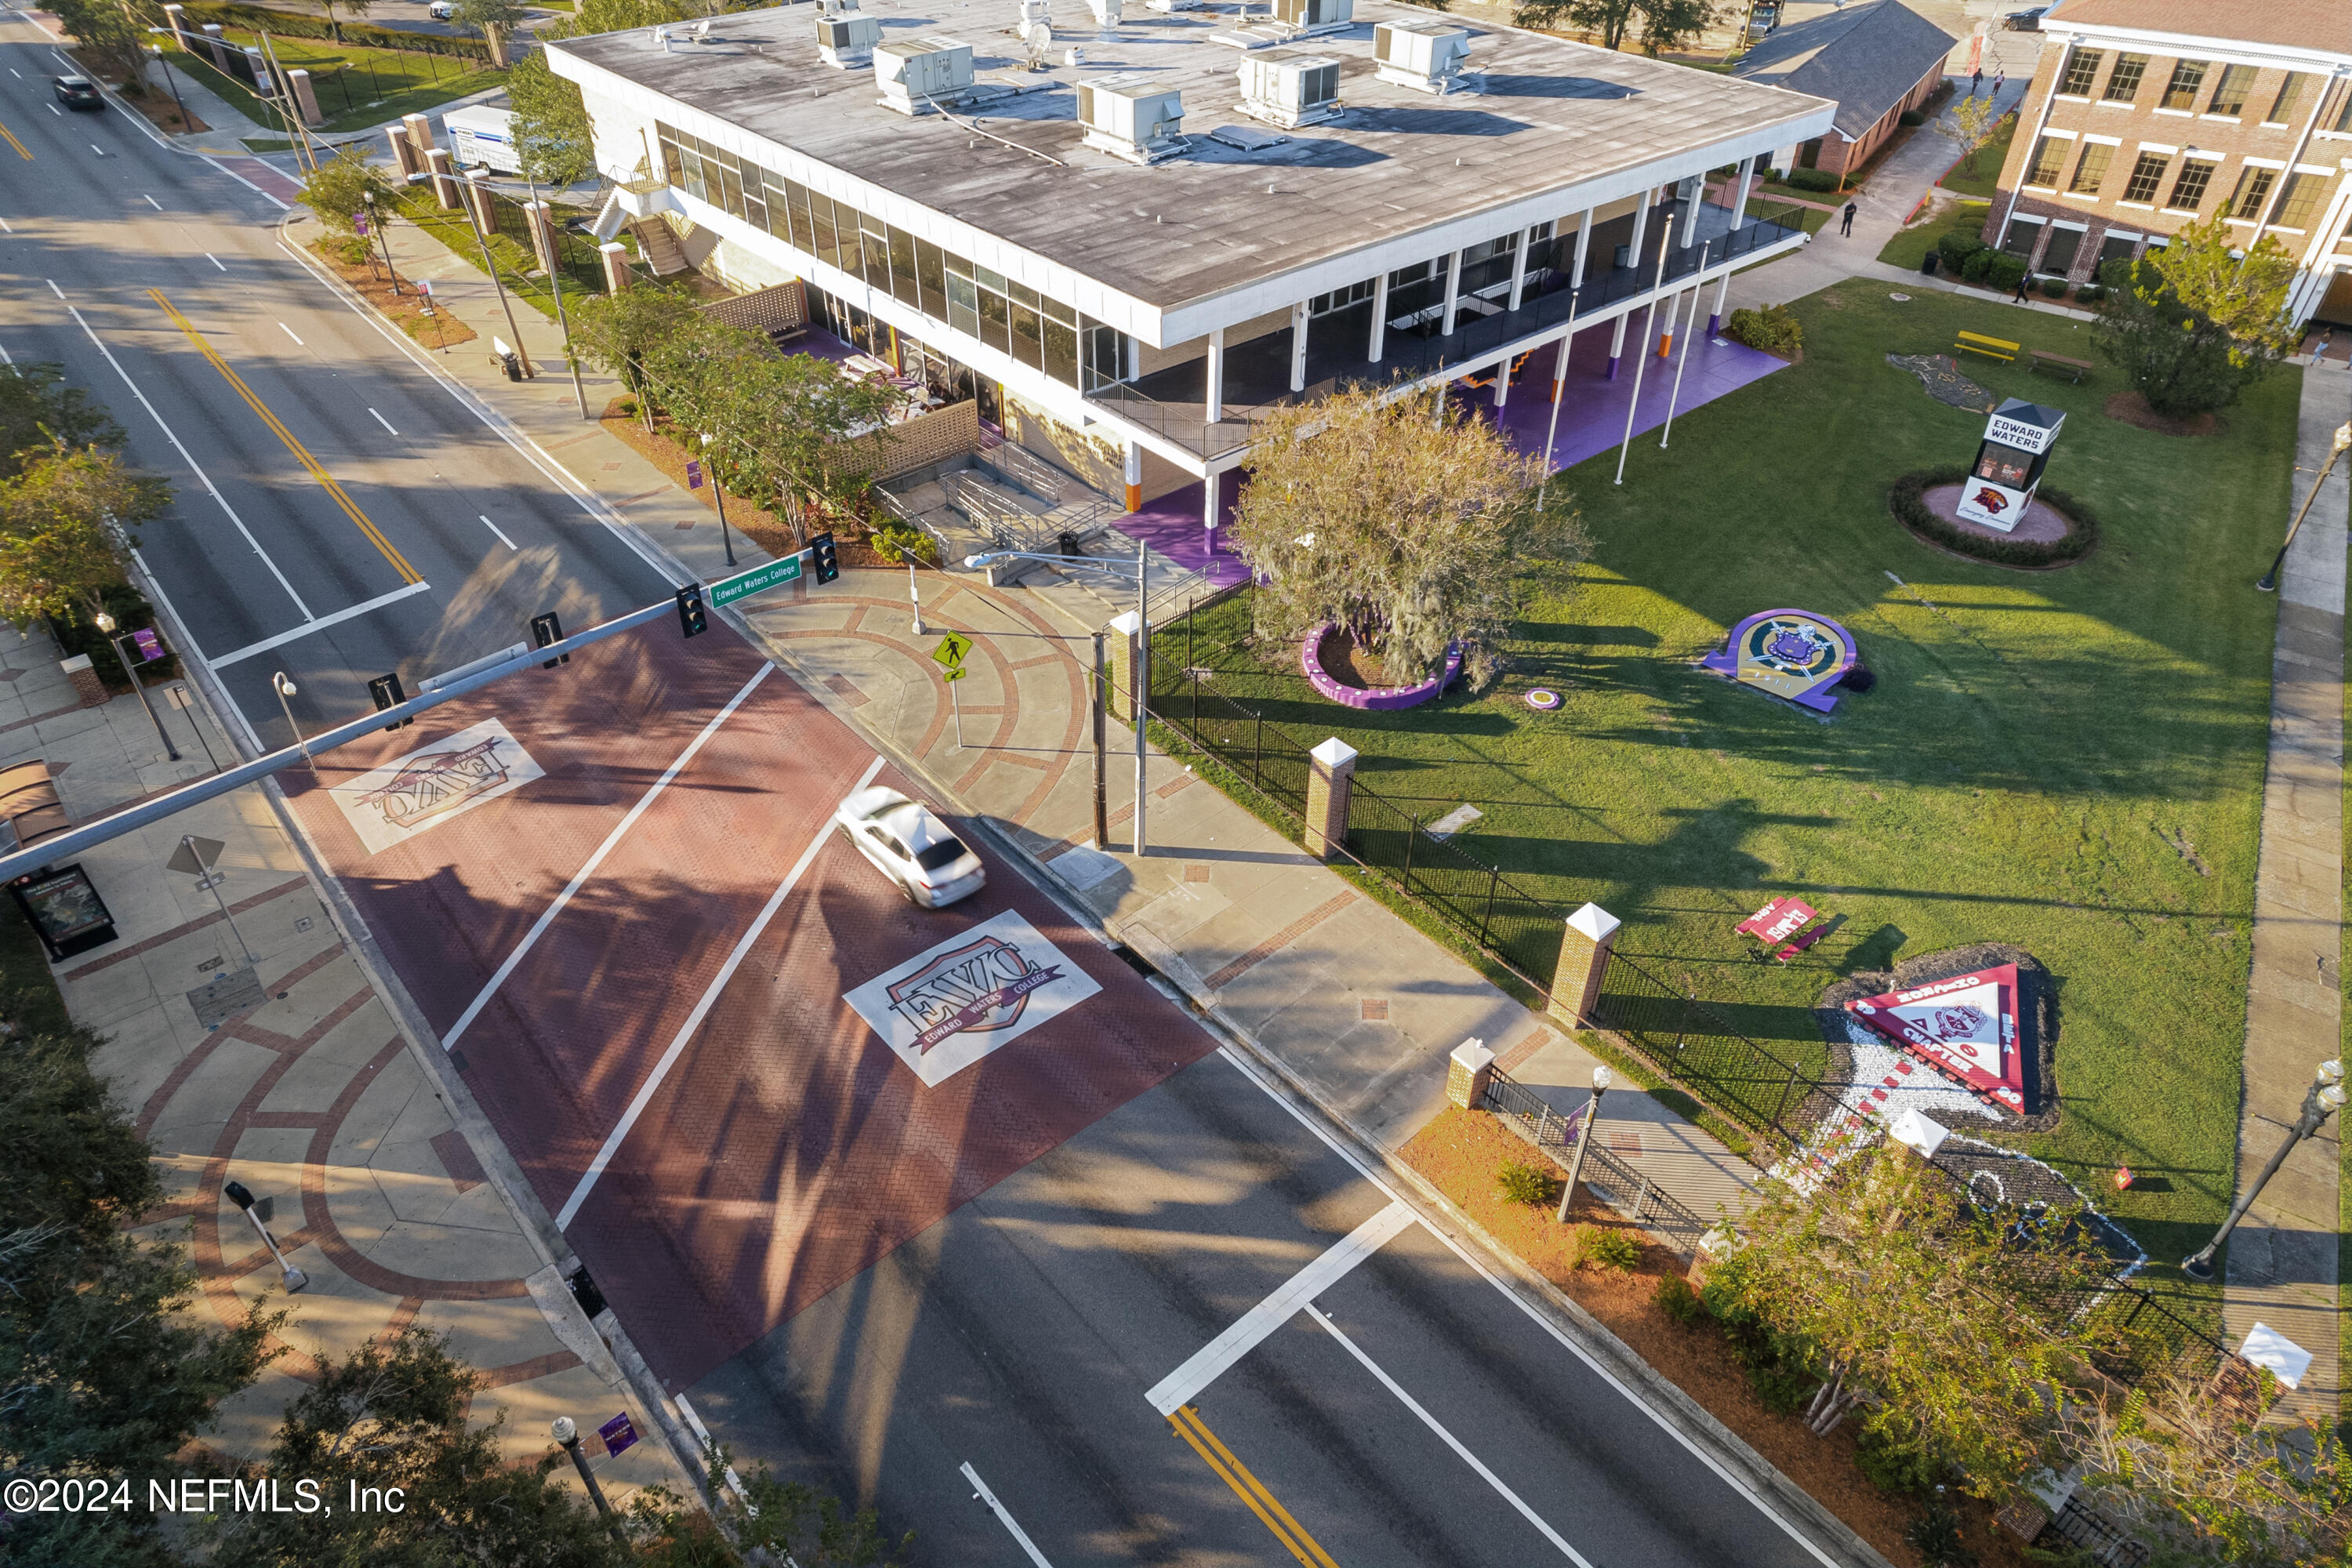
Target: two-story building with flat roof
2144,115
1151,226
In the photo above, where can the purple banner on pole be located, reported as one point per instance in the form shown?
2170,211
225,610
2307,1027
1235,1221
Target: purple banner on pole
618,1432
150,645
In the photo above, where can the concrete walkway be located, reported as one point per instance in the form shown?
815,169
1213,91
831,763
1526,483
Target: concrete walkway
2281,1262
249,1045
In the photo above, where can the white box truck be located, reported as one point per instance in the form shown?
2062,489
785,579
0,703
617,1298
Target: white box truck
483,136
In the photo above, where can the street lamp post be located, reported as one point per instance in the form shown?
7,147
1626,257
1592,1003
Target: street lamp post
489,266
1141,677
2268,581
285,689
719,494
106,625
377,221
173,83
1600,1078
2321,1101
567,1433
295,1279
555,282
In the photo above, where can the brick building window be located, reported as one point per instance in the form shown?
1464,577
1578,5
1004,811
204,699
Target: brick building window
2181,92
2118,248
2147,176
2081,70
2229,96
2294,95
2058,255
2048,157
2189,190
2123,83
2253,190
2301,195
2093,168
2344,113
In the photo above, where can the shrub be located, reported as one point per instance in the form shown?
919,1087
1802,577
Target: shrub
897,542
1937,1538
1774,329
2005,271
2115,274
1771,176
130,611
1972,270
1957,247
1811,180
1615,1250
1677,1299
2054,288
629,407
1524,1183
1860,679
2089,294
1894,1467
1912,117
1904,503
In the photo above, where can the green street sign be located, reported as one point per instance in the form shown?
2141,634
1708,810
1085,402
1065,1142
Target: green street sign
727,590
954,672
951,649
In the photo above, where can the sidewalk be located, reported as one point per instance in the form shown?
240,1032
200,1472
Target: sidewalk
2282,1262
253,1048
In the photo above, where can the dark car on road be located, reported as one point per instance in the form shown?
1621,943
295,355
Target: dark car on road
2024,21
77,92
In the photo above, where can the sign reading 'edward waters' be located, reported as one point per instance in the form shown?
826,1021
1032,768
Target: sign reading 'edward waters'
952,1003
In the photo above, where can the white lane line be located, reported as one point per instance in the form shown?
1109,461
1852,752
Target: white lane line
298,343
494,528
383,421
3,226
97,149
701,1011
1256,1075
702,1435
980,1489
172,436
53,287
54,109
215,260
1208,1363
249,184
152,201
612,842
1451,1442
321,623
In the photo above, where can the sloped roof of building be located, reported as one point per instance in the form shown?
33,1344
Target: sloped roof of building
2295,24
1864,56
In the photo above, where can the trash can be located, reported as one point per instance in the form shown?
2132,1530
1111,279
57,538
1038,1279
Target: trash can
1068,543
1624,256
511,363
1927,268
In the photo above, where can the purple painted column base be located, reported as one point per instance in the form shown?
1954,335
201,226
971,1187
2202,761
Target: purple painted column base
1713,325
1612,367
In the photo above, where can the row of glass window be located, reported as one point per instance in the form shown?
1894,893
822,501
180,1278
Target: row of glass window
2190,185
2233,88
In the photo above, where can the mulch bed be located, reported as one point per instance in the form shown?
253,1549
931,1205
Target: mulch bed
405,309
1351,665
761,526
2133,409
1461,1153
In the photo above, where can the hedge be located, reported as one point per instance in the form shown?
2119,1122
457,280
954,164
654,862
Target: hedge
1811,180
1904,501
1774,329
286,24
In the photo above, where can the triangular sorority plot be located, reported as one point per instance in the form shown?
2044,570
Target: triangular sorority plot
1964,1026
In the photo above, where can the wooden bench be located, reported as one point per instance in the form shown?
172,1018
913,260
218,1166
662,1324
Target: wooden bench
28,803
1991,348
2073,369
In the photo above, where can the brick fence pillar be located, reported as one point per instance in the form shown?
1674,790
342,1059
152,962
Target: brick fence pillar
616,256
86,683
542,235
444,184
215,47
1330,777
306,98
1583,960
403,152
1124,629
176,19
476,192
1470,1069
420,131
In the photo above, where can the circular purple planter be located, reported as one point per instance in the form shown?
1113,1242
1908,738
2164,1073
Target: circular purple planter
1375,698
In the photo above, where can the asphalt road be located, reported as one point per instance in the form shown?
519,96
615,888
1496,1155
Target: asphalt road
338,514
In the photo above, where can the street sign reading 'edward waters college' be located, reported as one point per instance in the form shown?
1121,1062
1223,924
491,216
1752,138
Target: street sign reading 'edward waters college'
743,584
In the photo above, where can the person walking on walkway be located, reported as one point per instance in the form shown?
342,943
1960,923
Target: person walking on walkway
1846,228
1976,80
1999,80
2023,279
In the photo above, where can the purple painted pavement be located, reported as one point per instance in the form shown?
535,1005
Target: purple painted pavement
1171,526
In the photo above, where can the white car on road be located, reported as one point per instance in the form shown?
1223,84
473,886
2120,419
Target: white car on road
912,848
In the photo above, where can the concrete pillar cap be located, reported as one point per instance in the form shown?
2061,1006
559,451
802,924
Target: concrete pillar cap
1334,754
1593,923
79,661
1472,1055
1127,623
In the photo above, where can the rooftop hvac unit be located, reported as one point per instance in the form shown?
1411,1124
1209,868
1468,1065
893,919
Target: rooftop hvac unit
1132,116
1316,13
1290,88
922,74
845,41
1106,19
1426,56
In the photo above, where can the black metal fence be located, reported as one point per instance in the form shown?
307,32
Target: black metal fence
1668,1023
1629,1191
576,255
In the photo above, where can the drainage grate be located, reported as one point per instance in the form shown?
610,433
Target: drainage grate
224,996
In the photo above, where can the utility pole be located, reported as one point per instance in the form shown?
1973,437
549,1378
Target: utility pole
555,282
2320,1101
2269,583
491,267
1101,702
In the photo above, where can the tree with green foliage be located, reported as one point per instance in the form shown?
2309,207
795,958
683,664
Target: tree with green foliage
39,413
105,30
66,529
552,134
1673,24
1970,124
1662,24
614,331
495,20
337,192
1411,531
334,25
2191,325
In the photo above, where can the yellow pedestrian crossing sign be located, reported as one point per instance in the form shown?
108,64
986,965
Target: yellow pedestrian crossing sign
951,652
954,672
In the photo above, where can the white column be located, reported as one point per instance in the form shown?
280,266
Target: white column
1697,184
1617,342
1134,476
1641,228
1520,266
1583,249
1212,486
1453,291
1131,351
1299,346
1216,376
1722,297
1503,382
1739,197
1379,318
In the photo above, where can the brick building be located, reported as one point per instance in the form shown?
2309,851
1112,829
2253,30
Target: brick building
2144,115
1874,60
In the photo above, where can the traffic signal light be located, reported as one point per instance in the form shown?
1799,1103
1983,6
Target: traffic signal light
828,563
689,610
388,692
545,630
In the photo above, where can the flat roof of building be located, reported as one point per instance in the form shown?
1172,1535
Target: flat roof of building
1553,115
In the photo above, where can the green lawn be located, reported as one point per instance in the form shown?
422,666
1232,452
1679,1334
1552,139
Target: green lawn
518,265
356,88
1989,158
2069,760
1910,247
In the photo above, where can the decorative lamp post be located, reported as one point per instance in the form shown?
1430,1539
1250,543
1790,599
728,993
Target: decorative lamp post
106,625
2321,1101
1601,1080
719,494
285,689
2268,581
236,1194
567,1433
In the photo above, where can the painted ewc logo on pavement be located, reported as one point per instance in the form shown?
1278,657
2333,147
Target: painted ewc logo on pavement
952,1003
426,788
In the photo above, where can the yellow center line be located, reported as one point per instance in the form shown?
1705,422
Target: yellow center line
407,573
1235,1474
17,144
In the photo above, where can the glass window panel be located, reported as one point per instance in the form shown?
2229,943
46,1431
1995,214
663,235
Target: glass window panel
995,320
1028,337
2092,169
2189,190
731,184
904,286
1021,294
827,243
755,207
2081,70
2181,92
2344,111
2048,157
780,211
1062,352
2231,93
2058,255
2302,194
2253,190
957,266
931,274
2123,83
2147,175
963,306
2294,97
671,160
988,280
